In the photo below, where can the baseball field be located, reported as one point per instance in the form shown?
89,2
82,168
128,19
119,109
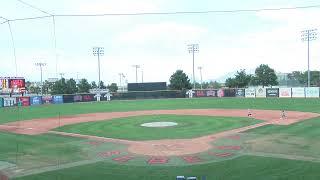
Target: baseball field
161,139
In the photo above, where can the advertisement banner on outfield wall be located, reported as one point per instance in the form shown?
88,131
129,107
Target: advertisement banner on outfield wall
206,93
1,102
47,99
229,92
77,98
57,99
240,93
88,97
220,93
261,92
8,102
312,92
250,93
25,101
285,92
272,92
68,98
35,100
298,92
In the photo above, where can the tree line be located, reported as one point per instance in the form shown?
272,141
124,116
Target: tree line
68,86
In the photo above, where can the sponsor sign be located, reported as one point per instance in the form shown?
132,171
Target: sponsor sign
35,100
25,101
200,93
8,102
272,92
240,93
1,102
212,93
88,97
47,99
57,99
261,92
77,98
312,92
285,92
298,92
250,93
220,93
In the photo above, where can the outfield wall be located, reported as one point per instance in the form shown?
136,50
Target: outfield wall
311,92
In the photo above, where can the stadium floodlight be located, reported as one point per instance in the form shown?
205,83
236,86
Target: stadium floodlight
200,69
40,64
121,75
98,51
136,66
307,36
193,48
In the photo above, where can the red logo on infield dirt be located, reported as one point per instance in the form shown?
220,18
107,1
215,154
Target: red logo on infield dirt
158,160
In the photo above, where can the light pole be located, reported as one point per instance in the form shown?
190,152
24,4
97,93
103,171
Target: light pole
98,51
193,48
309,35
200,69
40,64
142,75
121,75
136,66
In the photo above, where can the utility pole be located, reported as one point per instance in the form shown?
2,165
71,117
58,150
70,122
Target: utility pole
200,69
98,51
136,66
309,35
193,48
40,64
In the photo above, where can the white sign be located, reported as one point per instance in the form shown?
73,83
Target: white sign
285,92
250,93
190,93
261,92
298,92
312,92
7,102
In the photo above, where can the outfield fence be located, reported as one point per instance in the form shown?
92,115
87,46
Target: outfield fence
298,92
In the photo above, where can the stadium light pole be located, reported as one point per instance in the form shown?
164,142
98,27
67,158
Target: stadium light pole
121,75
309,35
40,64
200,69
98,51
136,66
61,75
193,48
141,75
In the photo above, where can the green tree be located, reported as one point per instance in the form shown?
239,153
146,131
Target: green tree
302,77
83,86
113,87
93,85
102,86
265,76
47,87
214,85
71,87
179,81
241,80
59,87
34,89
231,82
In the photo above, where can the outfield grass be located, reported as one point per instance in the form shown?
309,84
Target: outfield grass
130,128
14,114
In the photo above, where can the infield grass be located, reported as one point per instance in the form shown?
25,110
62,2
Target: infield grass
130,127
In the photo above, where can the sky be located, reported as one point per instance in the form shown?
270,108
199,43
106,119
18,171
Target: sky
158,43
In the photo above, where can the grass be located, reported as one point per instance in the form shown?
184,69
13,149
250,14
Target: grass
14,114
130,127
246,167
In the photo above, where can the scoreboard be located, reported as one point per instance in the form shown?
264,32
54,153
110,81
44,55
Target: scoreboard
12,84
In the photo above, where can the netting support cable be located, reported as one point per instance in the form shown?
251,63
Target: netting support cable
14,48
55,43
